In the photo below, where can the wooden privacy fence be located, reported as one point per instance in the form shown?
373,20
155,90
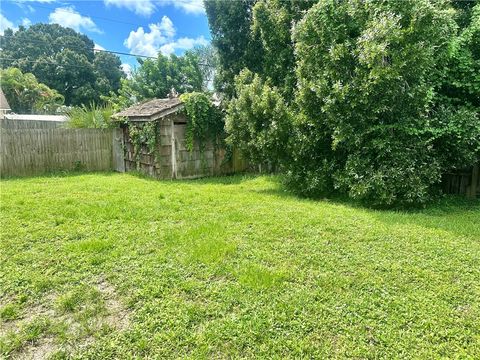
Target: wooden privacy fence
33,151
464,182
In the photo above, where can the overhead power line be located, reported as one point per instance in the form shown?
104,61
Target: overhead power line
100,50
67,10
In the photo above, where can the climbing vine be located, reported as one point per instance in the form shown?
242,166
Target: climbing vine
143,134
205,120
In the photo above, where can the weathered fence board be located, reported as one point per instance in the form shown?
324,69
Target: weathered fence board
36,151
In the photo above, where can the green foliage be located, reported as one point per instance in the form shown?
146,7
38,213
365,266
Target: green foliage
155,78
373,95
143,134
91,116
258,121
456,136
64,60
461,81
386,94
237,47
271,24
26,95
204,120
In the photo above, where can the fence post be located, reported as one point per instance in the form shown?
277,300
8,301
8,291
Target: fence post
472,194
117,148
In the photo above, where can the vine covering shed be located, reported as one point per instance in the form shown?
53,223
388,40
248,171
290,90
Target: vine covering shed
154,142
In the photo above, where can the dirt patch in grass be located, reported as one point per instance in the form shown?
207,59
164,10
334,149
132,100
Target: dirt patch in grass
117,314
39,350
63,323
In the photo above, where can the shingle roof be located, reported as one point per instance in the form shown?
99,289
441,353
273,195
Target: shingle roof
153,109
3,101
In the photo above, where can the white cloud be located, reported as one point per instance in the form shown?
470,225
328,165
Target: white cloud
189,6
160,38
5,24
182,44
127,69
166,25
97,47
148,7
68,17
148,43
140,7
26,22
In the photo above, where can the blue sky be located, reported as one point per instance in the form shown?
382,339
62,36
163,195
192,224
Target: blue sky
134,26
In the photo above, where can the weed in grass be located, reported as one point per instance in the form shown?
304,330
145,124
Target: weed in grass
9,312
259,277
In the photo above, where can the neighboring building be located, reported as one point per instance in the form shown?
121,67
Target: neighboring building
23,121
170,158
4,107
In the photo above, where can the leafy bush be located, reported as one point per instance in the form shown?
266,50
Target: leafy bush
26,95
204,120
258,121
365,75
376,99
456,136
91,116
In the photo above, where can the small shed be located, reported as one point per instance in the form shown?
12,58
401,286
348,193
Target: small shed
166,155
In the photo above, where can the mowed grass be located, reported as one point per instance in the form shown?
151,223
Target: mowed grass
113,266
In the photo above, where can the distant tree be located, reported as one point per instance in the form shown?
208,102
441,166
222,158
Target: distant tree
208,63
108,72
26,95
155,79
64,60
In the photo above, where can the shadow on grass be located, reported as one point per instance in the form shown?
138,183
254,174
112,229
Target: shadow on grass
443,204
59,174
452,213
228,179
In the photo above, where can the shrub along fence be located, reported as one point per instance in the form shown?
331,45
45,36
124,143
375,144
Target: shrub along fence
34,151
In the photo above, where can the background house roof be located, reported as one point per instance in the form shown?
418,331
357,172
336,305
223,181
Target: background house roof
3,101
28,117
151,109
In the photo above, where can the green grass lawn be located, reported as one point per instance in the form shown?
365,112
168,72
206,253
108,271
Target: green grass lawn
117,266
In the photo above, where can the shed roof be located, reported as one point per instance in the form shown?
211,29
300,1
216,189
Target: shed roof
151,109
3,101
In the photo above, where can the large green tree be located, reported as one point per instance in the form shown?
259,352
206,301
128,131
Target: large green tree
272,24
230,26
62,59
